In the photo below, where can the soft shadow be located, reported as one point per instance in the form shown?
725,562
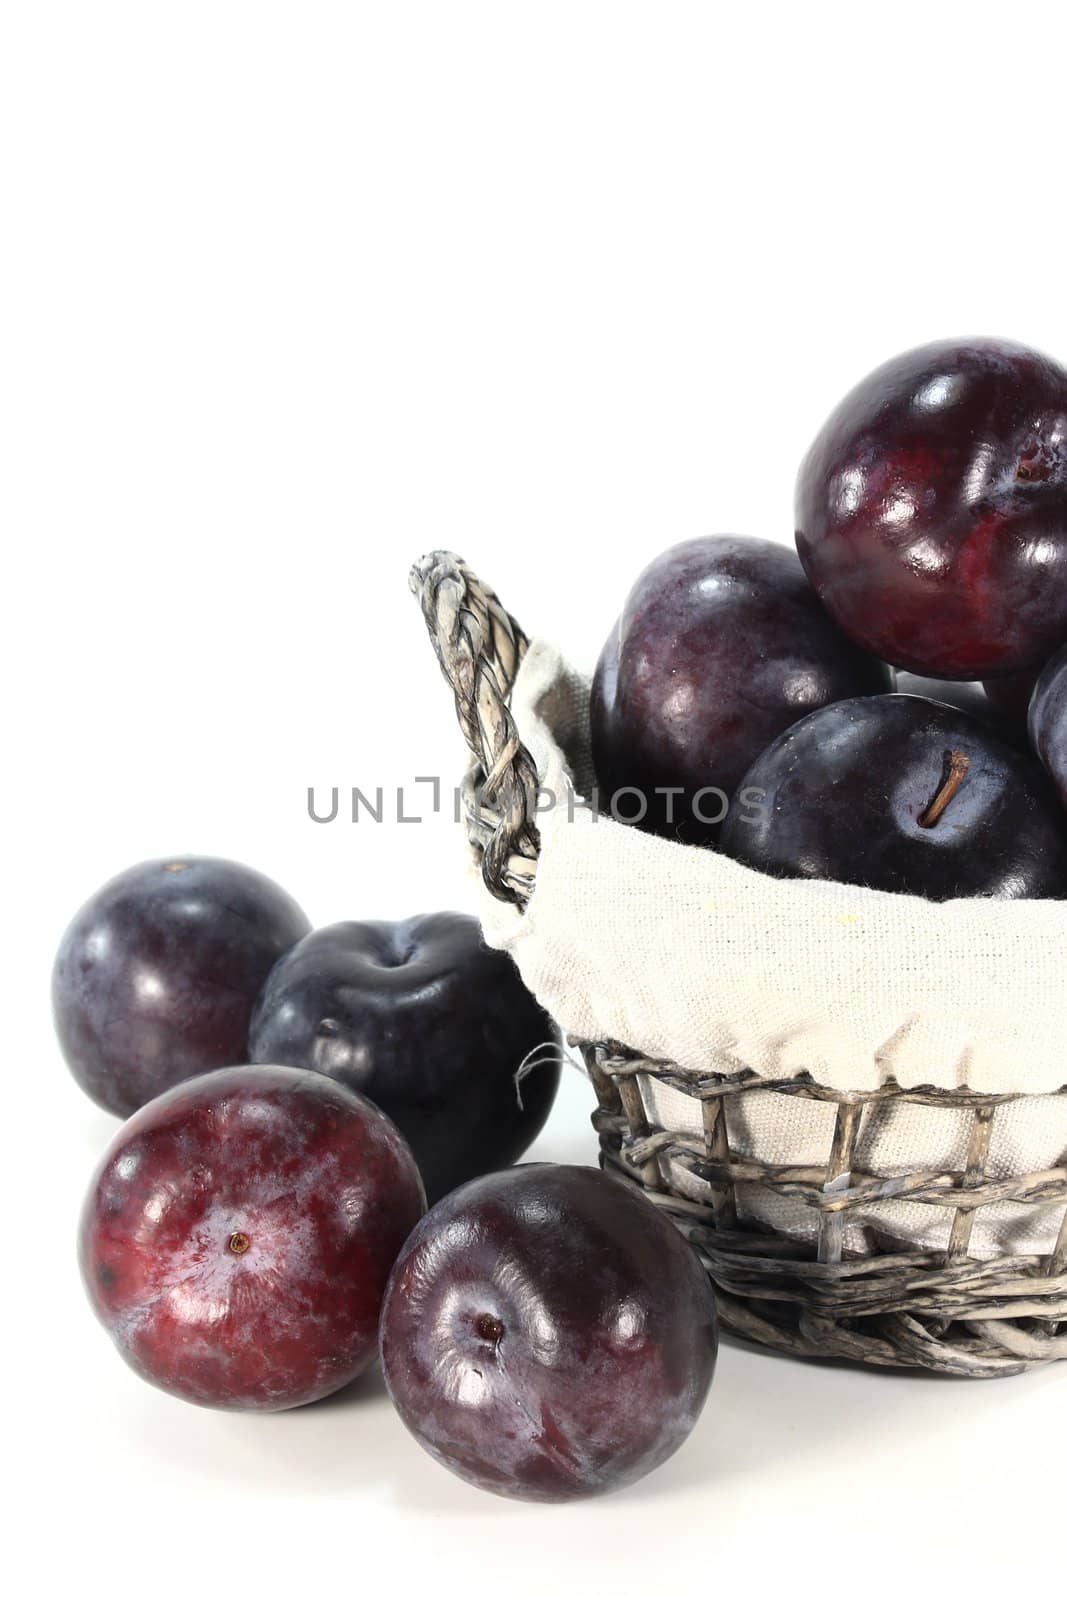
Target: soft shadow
366,1389
764,1412
766,1408
350,1441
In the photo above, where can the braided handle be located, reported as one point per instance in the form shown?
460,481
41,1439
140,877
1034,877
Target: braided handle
479,646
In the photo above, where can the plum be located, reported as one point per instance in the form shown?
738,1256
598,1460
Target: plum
238,1235
931,510
721,645
429,1023
547,1334
903,794
157,975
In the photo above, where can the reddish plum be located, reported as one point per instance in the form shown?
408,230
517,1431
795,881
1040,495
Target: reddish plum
157,975
932,510
238,1236
721,646
431,1025
903,794
547,1334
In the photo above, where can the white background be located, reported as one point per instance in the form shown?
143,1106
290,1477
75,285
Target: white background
292,293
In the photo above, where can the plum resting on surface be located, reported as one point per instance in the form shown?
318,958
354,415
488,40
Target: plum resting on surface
1048,721
547,1334
907,795
157,975
430,1024
932,510
238,1235
721,645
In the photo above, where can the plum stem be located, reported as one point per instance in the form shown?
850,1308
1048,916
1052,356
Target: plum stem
489,1328
957,765
239,1243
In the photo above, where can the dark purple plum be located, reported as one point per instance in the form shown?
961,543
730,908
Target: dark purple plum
903,794
157,975
1048,721
547,1334
431,1025
721,646
932,510
238,1236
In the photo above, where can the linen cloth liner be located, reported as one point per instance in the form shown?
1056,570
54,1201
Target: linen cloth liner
688,957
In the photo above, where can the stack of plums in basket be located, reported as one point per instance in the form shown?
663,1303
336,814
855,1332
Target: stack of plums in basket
887,707
865,710
257,1230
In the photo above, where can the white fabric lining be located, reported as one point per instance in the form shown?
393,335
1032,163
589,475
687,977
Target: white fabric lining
685,956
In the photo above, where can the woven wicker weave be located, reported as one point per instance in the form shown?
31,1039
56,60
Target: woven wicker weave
898,1306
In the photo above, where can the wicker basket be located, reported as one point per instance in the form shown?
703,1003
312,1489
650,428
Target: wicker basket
895,1305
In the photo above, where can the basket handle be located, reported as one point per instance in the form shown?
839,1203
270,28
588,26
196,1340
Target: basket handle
479,646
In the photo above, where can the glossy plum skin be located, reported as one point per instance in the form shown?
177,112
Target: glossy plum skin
157,975
238,1235
932,510
721,646
1048,721
548,1335
430,1024
844,791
